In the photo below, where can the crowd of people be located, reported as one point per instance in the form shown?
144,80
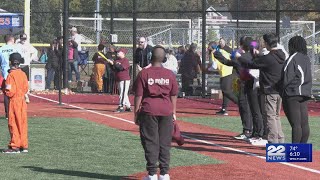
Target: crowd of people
267,79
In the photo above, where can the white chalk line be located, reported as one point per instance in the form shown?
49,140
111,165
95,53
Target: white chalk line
195,139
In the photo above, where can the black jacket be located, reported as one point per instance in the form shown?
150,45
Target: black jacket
270,66
54,58
143,56
296,76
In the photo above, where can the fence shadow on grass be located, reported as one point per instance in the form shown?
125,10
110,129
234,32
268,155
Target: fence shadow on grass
82,174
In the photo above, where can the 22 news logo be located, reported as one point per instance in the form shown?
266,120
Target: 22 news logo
276,153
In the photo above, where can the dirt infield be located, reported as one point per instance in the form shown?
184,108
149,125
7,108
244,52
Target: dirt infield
212,142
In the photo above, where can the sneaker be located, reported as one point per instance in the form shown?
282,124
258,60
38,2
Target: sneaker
24,150
241,137
259,142
222,112
164,177
11,151
149,177
128,109
120,109
27,98
252,139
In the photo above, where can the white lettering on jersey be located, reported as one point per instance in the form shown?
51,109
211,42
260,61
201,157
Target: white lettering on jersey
161,81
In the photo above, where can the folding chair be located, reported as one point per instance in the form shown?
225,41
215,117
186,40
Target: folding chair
83,61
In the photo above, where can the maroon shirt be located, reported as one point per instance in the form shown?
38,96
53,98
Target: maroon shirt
123,75
156,85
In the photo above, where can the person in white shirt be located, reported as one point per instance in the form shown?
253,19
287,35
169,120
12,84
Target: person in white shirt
171,63
28,52
76,37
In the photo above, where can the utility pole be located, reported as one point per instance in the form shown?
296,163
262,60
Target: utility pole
27,9
98,21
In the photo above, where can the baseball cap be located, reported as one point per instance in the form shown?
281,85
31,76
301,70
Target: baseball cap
123,50
16,58
73,29
23,36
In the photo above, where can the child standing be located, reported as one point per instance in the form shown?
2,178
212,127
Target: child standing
121,67
99,67
16,88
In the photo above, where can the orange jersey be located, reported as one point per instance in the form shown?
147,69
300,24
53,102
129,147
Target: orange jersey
16,84
16,88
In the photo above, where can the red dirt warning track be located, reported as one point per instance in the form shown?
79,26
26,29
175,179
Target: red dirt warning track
235,165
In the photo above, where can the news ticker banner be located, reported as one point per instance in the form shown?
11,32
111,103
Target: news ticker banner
289,153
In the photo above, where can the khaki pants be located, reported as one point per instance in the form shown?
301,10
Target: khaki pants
272,109
99,70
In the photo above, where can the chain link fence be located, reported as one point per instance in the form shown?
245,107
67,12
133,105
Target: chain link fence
173,23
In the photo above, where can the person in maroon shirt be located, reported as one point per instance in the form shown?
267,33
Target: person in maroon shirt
156,92
121,67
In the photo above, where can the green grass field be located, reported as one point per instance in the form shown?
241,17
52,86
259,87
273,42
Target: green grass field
80,149
234,124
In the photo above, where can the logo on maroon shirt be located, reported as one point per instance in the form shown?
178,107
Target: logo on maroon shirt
161,81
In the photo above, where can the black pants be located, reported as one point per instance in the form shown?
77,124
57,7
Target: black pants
244,109
156,136
296,110
226,88
186,83
6,104
253,100
25,69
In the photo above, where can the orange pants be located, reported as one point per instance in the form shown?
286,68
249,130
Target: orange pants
99,70
18,123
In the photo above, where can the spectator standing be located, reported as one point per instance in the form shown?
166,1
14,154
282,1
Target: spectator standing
143,54
270,67
29,53
75,36
189,68
99,67
296,89
226,77
156,92
109,73
171,62
73,57
53,64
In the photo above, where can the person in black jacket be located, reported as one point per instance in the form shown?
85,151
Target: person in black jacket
296,89
270,66
244,108
52,66
143,54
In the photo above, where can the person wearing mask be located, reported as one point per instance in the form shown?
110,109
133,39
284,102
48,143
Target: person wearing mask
270,67
296,85
155,100
6,50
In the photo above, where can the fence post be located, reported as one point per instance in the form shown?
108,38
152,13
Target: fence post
278,19
65,46
134,37
204,29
